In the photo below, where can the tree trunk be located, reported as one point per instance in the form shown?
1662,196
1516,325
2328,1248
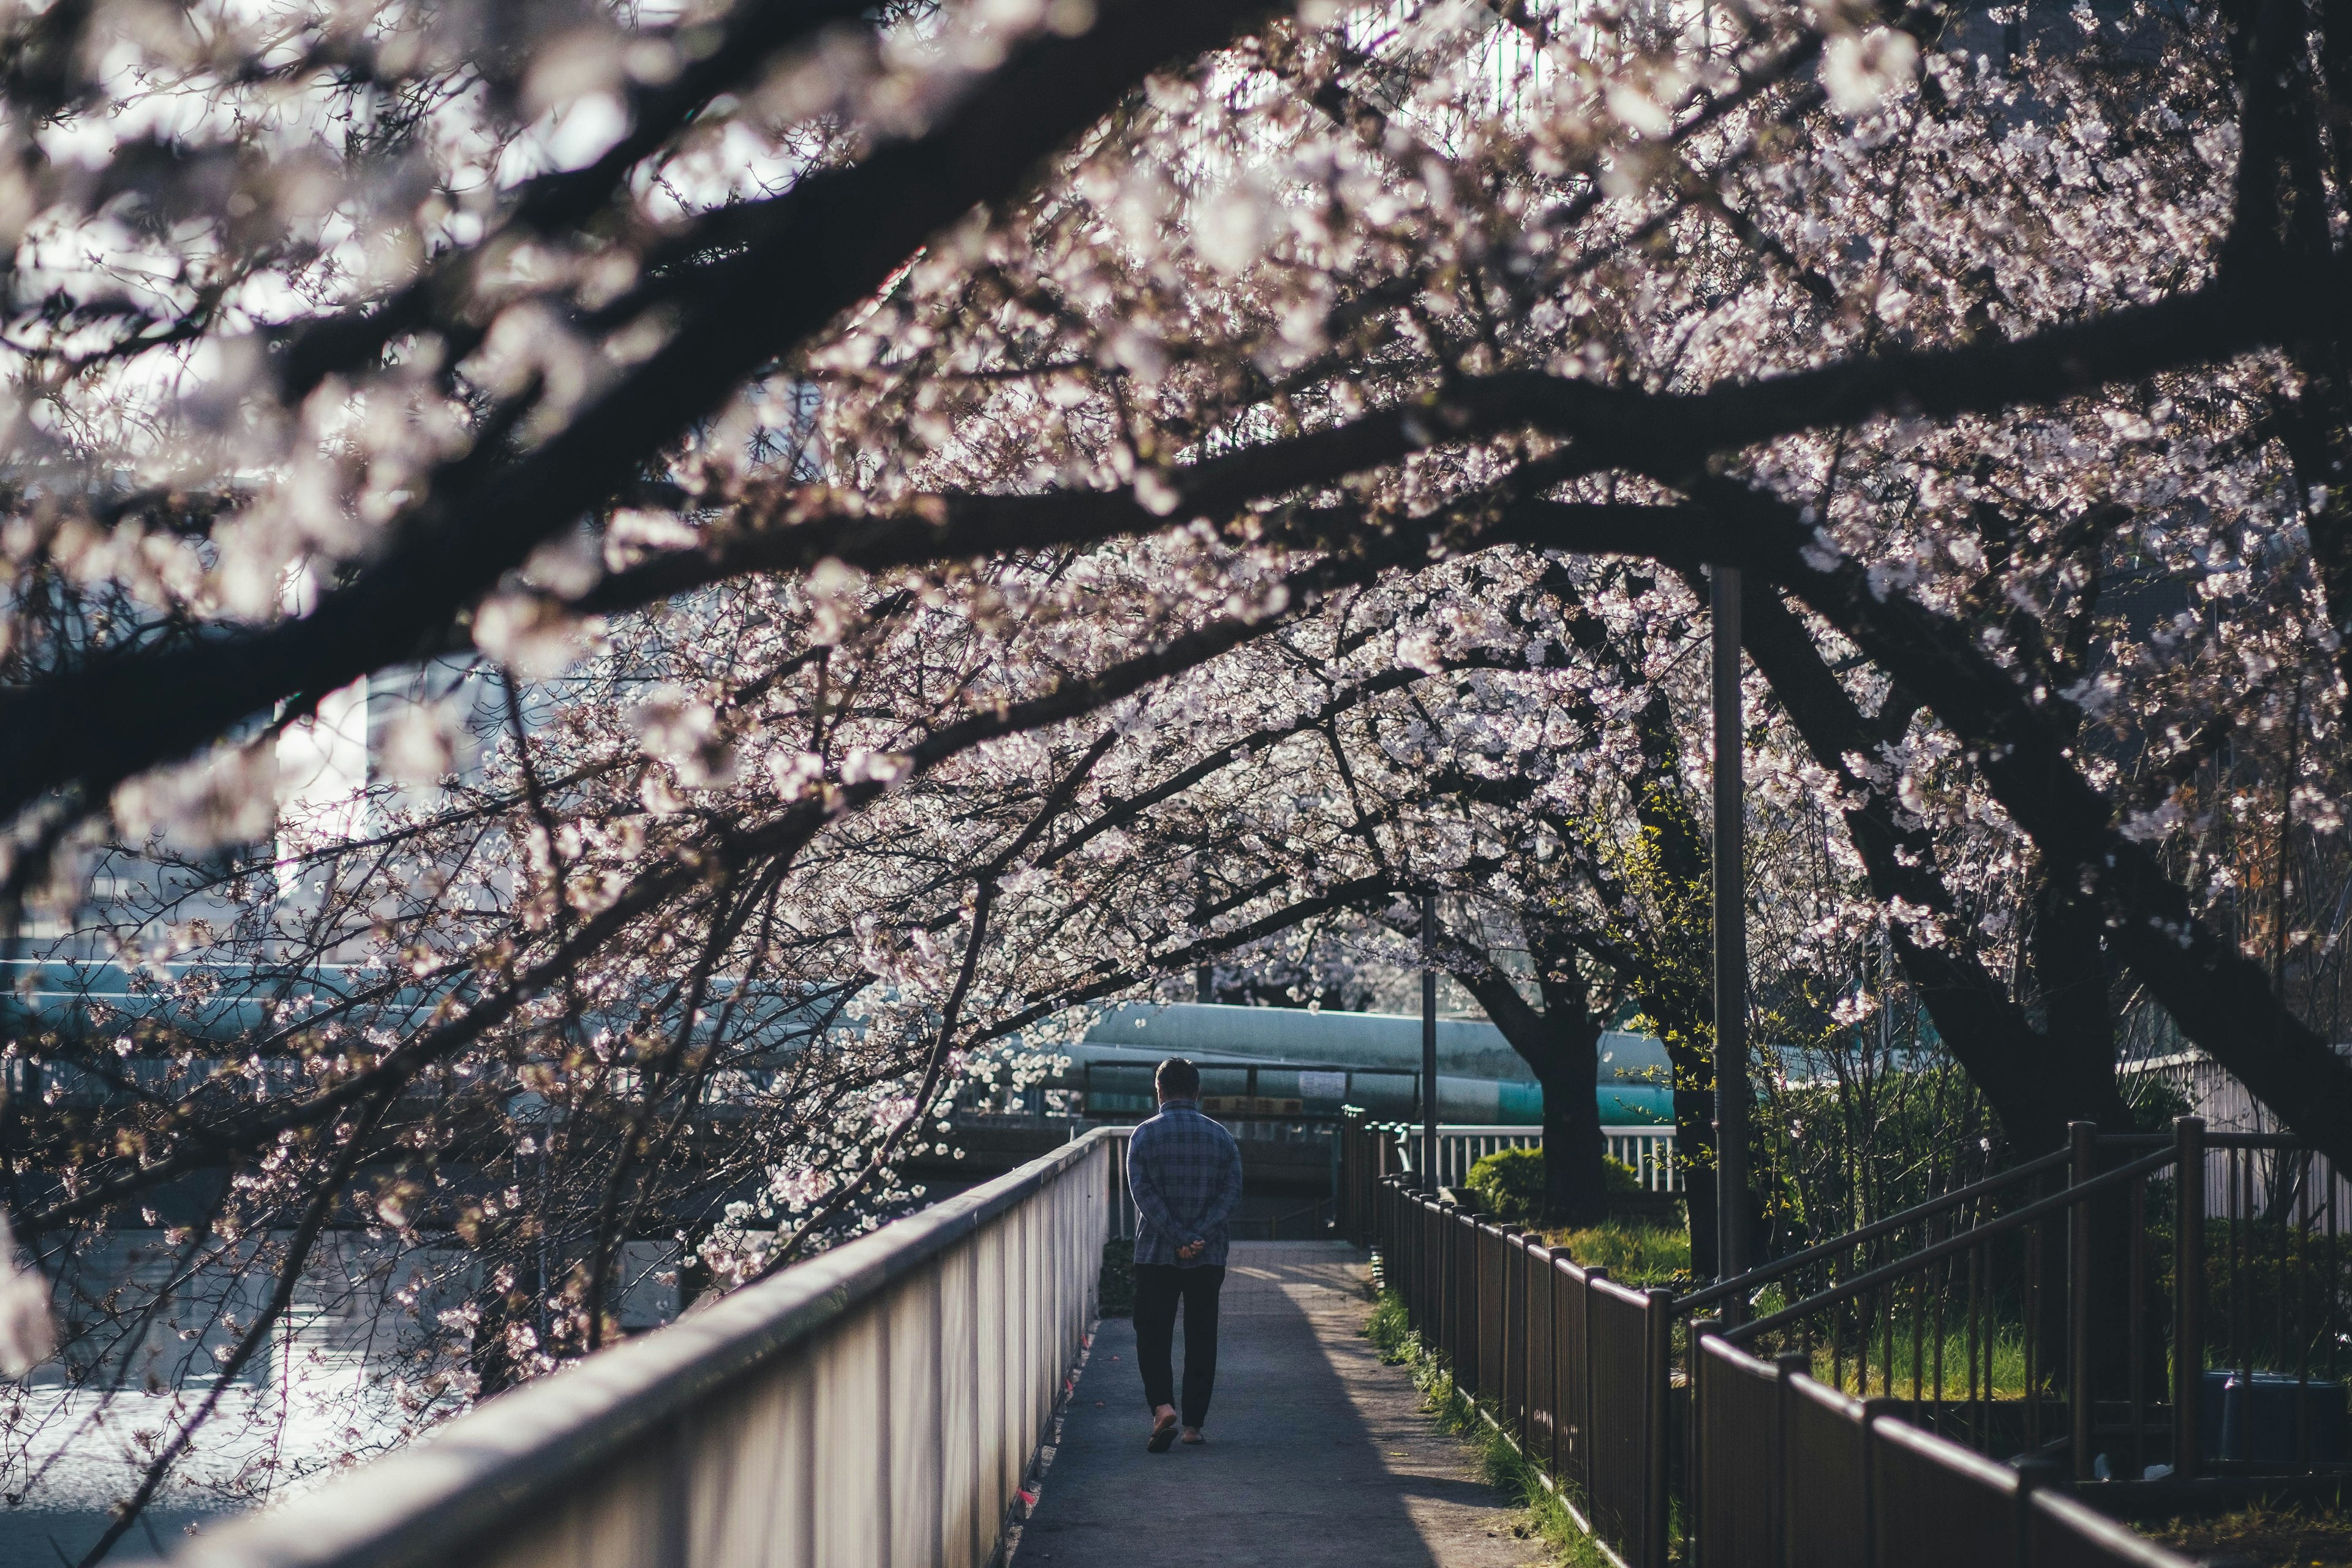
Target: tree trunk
1695,1146
1561,1043
2221,998
1576,1184
2036,1082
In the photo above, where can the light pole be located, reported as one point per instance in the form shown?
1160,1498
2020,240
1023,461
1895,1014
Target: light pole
1732,1096
1429,1041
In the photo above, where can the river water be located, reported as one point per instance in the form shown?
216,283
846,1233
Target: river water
362,1364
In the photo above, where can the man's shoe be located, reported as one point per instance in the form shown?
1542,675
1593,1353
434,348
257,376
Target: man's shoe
1163,1435
1192,1434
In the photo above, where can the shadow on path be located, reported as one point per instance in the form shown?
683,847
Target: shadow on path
1317,1453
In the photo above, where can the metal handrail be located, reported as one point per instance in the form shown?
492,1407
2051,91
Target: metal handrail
1952,1245
538,1444
1582,1373
1762,1273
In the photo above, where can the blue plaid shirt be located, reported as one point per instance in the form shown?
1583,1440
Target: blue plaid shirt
1185,1173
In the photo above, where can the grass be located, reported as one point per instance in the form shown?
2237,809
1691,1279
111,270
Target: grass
1544,1508
2006,1370
2316,1537
1636,1255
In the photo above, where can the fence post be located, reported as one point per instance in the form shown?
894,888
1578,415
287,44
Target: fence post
1787,1365
1348,1156
1432,1255
1658,1363
1465,1285
2081,1138
2033,1476
2188,1295
1440,1276
1514,1314
1405,1218
1694,1456
1543,1396
1584,1416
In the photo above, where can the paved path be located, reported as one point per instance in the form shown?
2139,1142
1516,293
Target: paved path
1317,1453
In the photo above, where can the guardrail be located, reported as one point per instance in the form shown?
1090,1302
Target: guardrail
879,1403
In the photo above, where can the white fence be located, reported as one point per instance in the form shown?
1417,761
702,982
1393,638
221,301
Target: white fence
2248,1184
878,1404
1649,1149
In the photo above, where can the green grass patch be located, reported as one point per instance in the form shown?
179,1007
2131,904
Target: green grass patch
2003,1363
1637,1255
1543,1509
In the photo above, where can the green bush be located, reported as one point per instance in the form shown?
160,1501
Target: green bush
1509,1183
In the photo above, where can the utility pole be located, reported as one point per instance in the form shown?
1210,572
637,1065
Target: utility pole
1429,1041
1733,1097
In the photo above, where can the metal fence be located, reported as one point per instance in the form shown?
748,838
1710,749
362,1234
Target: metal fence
879,1403
1643,1417
1576,1365
1788,1470
2085,1306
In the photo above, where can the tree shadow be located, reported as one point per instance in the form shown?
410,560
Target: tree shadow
1296,1470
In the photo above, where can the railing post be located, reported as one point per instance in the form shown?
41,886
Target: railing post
1514,1332
1658,1359
1584,1416
1345,1164
1695,1435
1542,1393
2083,1141
1441,1277
1417,1242
1474,1301
1408,1222
2033,1476
2188,1295
1788,1365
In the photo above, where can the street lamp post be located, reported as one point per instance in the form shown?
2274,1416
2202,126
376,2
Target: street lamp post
1733,1097
1429,1042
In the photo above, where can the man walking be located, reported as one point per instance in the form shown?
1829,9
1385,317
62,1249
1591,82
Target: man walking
1185,1173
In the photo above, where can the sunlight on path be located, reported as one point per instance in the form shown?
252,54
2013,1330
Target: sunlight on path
1317,1454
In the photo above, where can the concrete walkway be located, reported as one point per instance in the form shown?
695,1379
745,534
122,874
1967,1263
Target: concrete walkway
1317,1453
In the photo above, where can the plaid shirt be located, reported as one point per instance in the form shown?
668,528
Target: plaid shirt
1185,1173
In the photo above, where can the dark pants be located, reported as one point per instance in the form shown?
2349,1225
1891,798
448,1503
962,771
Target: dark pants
1158,1288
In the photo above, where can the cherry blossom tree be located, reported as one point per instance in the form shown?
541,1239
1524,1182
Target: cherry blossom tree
607,608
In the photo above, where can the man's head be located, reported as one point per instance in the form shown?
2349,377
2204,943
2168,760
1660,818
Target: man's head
1178,1079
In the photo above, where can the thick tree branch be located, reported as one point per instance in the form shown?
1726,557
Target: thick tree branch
833,241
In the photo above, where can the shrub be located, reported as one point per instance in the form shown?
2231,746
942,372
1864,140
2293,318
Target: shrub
1509,1183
